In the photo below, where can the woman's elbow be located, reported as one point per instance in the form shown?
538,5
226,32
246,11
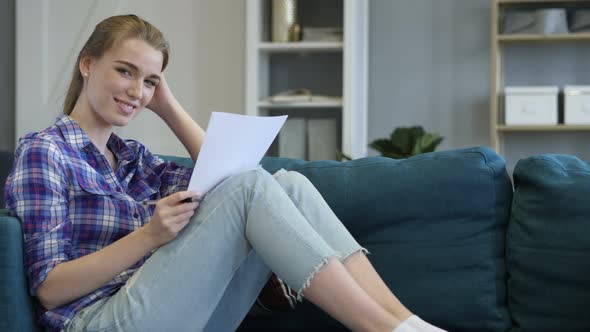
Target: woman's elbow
43,294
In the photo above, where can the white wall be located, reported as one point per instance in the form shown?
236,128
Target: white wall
429,66
206,68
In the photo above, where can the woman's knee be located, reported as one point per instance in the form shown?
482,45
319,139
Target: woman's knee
291,180
250,179
257,174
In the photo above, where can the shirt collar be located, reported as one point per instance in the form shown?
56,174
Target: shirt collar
75,136
120,148
72,133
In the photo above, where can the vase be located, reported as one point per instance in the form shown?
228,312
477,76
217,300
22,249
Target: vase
284,21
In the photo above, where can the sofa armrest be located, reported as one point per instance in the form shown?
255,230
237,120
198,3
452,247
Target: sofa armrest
16,309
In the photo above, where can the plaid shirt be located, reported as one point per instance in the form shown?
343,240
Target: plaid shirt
71,203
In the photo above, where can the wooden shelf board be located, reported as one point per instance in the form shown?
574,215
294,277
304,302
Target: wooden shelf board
301,46
527,2
560,127
543,38
314,104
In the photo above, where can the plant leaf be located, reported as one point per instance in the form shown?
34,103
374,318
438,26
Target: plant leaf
405,142
427,143
404,139
382,145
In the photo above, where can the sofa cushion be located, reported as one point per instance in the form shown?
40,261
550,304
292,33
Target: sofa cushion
435,225
548,246
16,307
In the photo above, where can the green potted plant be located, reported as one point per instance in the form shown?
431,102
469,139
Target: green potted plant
405,142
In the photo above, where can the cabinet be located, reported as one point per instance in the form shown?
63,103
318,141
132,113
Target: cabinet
545,59
336,70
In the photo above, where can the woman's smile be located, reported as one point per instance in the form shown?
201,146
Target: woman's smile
126,108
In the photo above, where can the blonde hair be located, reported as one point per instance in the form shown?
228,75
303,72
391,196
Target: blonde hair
106,34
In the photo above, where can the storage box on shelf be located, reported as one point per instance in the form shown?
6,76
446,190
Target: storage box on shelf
531,105
576,105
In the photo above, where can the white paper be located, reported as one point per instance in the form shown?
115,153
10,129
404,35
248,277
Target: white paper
233,144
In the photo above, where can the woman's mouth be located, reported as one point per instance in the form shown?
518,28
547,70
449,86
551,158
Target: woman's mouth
125,107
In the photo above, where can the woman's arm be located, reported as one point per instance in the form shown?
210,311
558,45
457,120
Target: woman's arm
165,105
73,279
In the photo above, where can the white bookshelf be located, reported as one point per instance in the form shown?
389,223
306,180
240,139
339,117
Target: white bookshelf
265,59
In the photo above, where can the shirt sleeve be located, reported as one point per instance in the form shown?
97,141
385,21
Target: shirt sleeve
37,192
173,177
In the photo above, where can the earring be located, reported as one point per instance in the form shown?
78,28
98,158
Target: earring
85,74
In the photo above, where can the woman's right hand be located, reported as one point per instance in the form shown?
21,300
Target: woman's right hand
170,217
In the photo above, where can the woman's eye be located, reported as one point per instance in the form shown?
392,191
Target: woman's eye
151,83
124,71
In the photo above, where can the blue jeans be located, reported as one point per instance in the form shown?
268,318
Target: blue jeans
208,278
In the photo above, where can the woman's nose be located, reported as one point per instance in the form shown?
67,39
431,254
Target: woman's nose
135,90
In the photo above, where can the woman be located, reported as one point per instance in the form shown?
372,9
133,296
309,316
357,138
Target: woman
99,259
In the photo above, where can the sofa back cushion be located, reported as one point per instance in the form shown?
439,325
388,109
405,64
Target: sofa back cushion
548,245
435,225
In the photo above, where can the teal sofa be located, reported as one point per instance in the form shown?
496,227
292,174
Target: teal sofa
448,231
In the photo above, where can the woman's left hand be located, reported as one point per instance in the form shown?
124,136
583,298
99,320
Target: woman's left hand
163,101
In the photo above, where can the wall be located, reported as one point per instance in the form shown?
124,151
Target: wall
7,75
206,69
429,66
207,64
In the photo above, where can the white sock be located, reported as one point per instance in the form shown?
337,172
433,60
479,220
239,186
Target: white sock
420,325
405,327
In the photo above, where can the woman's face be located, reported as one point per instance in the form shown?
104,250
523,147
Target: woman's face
120,83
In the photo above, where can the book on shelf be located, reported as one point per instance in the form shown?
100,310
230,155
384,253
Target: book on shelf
309,139
322,34
300,96
322,139
292,139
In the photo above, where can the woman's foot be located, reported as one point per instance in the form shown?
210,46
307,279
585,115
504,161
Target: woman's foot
415,324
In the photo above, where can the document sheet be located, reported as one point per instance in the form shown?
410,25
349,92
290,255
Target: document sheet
233,144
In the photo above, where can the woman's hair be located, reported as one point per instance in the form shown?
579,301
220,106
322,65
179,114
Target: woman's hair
106,34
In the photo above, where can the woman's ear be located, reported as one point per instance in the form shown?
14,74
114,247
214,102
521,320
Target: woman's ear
84,65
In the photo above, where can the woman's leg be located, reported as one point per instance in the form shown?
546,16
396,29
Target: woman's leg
365,275
239,295
313,206
302,258
182,284
335,291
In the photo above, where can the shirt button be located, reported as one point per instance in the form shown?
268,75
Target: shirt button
118,189
136,215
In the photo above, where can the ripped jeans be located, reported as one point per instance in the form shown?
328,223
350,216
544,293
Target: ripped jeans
208,278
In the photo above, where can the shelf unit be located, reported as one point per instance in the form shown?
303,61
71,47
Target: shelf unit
498,41
334,68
